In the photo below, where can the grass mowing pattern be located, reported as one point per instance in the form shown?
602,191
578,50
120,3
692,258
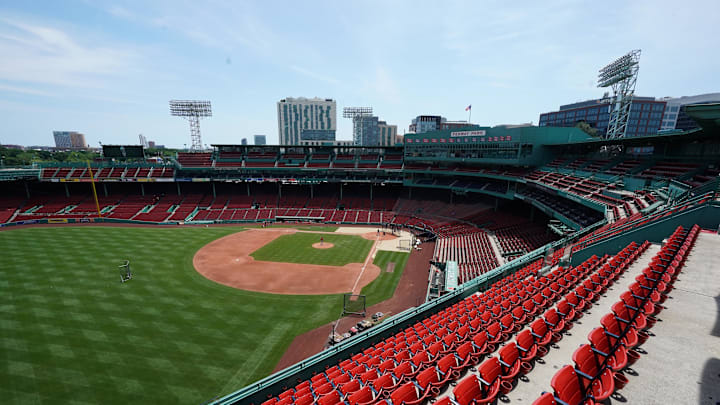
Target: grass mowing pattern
297,248
383,287
70,332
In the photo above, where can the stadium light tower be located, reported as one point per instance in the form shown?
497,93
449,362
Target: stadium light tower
621,76
192,110
357,114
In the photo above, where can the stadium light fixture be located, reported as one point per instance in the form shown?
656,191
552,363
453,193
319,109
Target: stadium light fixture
192,110
620,75
357,114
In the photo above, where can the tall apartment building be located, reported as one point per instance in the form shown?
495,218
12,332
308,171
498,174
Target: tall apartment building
306,119
388,133
371,131
69,140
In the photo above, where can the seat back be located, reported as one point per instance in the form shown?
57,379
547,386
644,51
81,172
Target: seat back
364,395
467,390
525,339
464,350
350,387
586,360
406,393
567,386
329,399
384,381
493,330
509,353
599,340
428,376
552,316
341,379
435,348
323,389
490,370
402,355
545,399
564,307
518,313
420,357
369,376
403,369
539,327
449,340
480,339
446,362
507,321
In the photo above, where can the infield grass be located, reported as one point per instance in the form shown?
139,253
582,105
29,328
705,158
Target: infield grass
297,248
70,332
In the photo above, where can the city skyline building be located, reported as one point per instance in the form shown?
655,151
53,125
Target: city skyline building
675,117
646,115
69,140
427,123
259,139
306,119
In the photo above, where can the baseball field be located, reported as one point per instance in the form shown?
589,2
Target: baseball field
71,332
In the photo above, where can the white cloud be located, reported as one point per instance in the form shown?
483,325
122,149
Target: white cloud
42,54
314,75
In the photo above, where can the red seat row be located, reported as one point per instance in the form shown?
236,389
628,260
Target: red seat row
597,372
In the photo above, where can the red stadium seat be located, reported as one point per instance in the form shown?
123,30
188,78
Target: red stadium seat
408,394
567,386
510,361
330,399
601,345
364,396
588,366
545,399
526,345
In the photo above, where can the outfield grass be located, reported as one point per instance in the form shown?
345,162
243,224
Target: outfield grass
326,228
70,332
297,248
383,287
319,228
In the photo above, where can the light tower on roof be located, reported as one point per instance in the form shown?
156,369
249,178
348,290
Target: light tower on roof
192,110
621,76
357,114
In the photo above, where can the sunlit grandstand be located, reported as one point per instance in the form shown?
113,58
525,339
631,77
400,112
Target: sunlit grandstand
553,266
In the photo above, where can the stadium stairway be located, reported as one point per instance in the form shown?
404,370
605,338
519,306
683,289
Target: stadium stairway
541,375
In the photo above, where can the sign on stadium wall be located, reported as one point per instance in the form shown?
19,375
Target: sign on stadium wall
480,132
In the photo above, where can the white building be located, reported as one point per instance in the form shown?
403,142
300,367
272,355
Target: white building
672,108
306,119
388,133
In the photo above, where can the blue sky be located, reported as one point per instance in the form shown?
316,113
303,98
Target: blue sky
108,69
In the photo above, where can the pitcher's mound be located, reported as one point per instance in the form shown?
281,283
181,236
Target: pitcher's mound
324,245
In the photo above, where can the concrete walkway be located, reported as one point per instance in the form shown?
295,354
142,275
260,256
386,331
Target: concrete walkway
682,364
496,248
539,378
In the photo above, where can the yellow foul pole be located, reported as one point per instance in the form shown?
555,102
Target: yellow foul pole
92,181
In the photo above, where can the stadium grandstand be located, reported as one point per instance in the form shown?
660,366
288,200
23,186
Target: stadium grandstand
546,225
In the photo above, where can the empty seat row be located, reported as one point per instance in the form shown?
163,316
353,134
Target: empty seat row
598,366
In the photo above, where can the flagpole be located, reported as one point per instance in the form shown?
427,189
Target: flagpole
470,115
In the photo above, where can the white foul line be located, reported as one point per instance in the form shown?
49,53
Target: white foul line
362,270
